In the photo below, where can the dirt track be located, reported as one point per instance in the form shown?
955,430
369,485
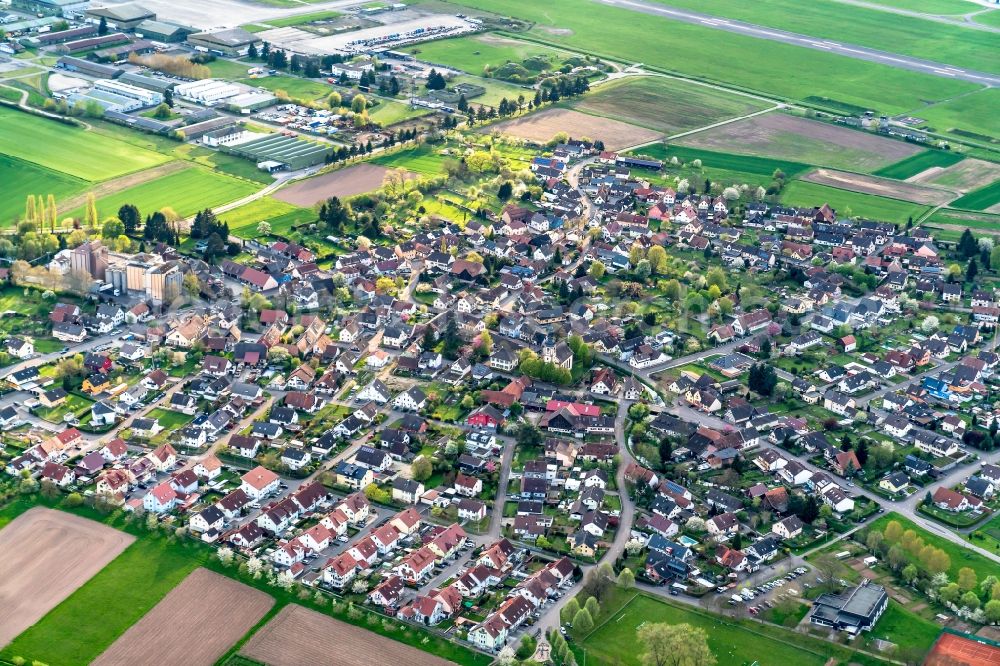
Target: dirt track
348,182
193,625
298,636
883,187
44,556
541,127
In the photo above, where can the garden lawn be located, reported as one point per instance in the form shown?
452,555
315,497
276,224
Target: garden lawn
665,105
799,193
615,641
829,19
919,163
763,65
960,557
70,150
980,199
906,629
76,404
186,191
170,420
21,178
89,620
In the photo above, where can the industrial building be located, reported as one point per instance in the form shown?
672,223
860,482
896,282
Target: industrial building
209,92
121,17
66,8
235,42
277,152
228,136
91,259
852,611
155,83
163,31
50,38
71,64
110,102
146,274
143,96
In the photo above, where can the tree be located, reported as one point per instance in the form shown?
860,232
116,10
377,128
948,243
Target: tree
130,218
264,228
505,191
593,606
874,540
626,579
102,27
992,610
971,270
583,623
967,245
966,579
90,216
762,379
436,81
910,573
359,104
421,468
570,610
674,645
597,270
112,228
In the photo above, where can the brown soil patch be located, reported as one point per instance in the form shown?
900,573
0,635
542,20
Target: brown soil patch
803,140
299,636
541,127
44,556
883,187
965,176
193,625
348,182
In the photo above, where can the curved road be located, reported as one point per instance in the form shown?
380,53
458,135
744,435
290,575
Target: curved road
815,43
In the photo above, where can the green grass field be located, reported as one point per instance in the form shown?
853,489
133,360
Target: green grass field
264,209
763,166
666,105
495,89
22,178
853,204
989,18
960,557
230,69
389,112
89,620
293,86
615,641
828,19
169,419
70,150
976,113
941,7
423,159
473,54
919,163
980,199
186,191
904,628
765,66
302,19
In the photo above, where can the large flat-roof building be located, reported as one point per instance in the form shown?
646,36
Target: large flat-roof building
121,17
142,95
71,64
163,31
154,83
52,7
235,42
276,151
852,611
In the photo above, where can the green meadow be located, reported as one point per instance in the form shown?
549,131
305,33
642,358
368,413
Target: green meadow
919,163
800,193
21,179
68,149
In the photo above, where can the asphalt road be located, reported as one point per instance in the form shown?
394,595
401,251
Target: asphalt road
815,43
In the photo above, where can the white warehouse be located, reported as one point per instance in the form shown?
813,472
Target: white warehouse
208,91
141,95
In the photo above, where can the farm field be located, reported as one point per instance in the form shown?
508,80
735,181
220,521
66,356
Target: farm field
884,187
70,150
969,174
194,624
73,634
615,641
985,198
186,191
796,139
665,105
424,160
751,164
920,163
542,126
801,193
475,53
46,555
610,32
21,178
969,116
828,19
960,557
347,182
298,635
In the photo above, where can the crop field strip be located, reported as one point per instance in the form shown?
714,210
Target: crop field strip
612,33
801,193
919,163
21,178
542,126
985,198
664,104
764,166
